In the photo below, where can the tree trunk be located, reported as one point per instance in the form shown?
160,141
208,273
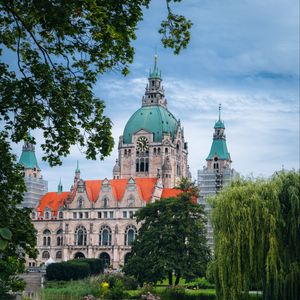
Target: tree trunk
177,279
170,278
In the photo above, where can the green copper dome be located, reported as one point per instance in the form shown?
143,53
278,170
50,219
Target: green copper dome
155,119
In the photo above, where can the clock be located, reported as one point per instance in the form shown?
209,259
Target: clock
142,144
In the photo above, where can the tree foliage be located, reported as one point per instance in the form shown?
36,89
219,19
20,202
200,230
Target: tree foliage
17,232
257,238
51,52
60,47
172,238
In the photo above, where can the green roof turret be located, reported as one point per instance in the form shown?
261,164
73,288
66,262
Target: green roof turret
28,159
219,147
219,123
77,168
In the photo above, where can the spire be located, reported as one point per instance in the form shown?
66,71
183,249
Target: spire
77,168
155,73
219,147
59,187
219,124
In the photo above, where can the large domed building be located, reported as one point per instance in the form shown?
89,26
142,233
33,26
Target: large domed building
152,144
96,217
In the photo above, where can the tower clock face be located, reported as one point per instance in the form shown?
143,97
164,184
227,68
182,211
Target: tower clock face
142,144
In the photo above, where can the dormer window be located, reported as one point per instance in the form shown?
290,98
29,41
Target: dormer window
47,214
60,214
105,202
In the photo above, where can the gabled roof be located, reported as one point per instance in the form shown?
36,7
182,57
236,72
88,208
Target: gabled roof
93,189
52,200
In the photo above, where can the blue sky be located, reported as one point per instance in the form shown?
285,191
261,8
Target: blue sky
243,54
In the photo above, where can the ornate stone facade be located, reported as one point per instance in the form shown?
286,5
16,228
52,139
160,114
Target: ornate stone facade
96,218
153,142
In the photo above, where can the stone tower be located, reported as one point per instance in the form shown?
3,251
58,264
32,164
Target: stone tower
216,173
153,139
36,186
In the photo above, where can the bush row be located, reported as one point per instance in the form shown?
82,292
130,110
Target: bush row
74,269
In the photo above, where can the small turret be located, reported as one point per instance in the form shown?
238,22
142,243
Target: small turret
77,173
167,172
60,187
116,170
219,157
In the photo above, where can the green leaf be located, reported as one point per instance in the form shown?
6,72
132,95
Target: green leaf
3,244
5,233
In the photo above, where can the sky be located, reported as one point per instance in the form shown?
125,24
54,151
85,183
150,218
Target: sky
243,54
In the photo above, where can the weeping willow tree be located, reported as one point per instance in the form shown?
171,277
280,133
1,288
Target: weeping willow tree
257,238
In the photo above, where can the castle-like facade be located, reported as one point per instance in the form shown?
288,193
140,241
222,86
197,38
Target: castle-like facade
96,217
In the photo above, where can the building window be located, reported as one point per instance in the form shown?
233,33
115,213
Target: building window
33,215
47,238
60,214
130,235
142,165
131,214
166,150
105,236
125,214
80,215
58,255
80,203
86,215
105,202
105,259
45,255
80,236
59,238
216,166
74,215
130,201
111,214
47,214
99,215
105,215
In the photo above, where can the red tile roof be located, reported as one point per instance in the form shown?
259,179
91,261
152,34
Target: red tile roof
52,200
169,193
145,187
93,189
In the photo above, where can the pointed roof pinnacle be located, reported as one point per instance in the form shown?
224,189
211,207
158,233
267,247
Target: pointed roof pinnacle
77,168
59,187
155,73
219,123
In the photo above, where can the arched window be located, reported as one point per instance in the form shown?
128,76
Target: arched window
58,255
80,236
166,150
105,259
126,257
46,255
60,214
47,213
59,238
178,147
105,236
80,202
154,151
47,237
105,202
130,235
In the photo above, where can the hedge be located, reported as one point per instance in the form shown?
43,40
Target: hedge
74,269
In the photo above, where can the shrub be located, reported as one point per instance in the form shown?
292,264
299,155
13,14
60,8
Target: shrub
95,264
67,271
129,282
117,291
